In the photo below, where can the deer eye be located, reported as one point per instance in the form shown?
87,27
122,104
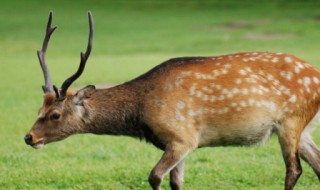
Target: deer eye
55,116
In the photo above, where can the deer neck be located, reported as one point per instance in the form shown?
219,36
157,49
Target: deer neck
114,111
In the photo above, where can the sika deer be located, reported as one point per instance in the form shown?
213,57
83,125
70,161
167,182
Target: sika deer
192,102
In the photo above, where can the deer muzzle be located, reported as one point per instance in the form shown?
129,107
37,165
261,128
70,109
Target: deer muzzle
29,139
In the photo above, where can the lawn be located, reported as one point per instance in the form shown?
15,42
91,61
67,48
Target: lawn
130,38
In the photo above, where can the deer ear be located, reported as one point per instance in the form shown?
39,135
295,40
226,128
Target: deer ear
83,93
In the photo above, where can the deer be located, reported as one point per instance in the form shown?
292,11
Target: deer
188,103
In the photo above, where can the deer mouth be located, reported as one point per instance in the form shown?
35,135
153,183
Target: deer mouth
38,145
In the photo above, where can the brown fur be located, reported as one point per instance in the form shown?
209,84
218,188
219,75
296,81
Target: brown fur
187,103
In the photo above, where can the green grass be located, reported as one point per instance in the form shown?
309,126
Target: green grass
130,38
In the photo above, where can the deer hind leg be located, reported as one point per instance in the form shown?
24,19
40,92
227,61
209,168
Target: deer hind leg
171,158
176,176
289,138
309,151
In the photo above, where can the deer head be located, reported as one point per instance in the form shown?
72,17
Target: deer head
61,112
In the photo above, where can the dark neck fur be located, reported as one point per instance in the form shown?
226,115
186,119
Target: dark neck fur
117,111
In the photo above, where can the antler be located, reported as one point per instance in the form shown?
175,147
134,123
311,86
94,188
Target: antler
47,87
84,58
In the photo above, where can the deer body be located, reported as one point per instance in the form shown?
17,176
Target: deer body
187,103
201,104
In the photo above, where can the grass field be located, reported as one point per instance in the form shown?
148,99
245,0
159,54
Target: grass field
130,38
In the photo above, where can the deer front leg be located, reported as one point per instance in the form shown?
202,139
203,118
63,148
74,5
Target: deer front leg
176,176
172,156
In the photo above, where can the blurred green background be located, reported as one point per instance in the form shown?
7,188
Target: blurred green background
130,38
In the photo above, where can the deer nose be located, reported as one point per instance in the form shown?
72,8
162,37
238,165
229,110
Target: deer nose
28,139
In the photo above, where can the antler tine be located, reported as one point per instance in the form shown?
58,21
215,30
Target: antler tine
84,58
47,87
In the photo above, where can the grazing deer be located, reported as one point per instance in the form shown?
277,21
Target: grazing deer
192,102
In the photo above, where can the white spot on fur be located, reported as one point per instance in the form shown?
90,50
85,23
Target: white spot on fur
270,77
238,81
238,109
308,65
275,60
251,80
242,72
224,71
205,97
288,59
264,89
169,86
180,105
258,104
261,73
230,95
245,91
179,81
216,73
286,109
179,116
299,64
248,69
185,73
284,90
251,102
252,58
192,89
245,60
306,83
254,90
224,91
221,98
286,74
223,110
276,82
243,104
233,104
315,80
227,66
235,90
212,98
263,80
278,92
315,95
293,98
269,104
